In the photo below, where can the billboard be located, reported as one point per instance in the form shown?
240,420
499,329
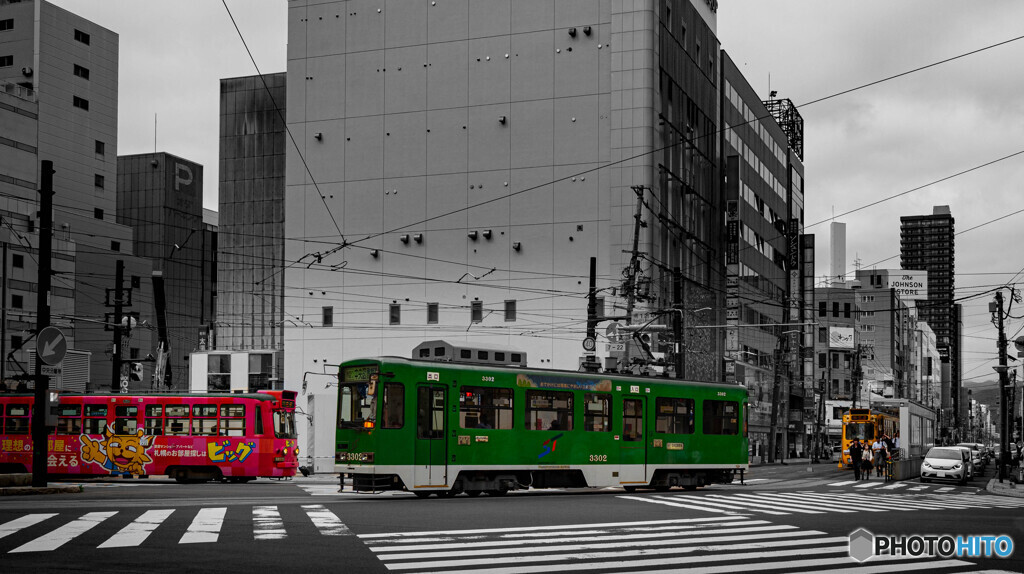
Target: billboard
909,285
840,337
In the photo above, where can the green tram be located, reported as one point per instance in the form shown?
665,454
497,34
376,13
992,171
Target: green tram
447,428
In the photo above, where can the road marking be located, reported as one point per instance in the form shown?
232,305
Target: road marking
687,505
205,526
758,501
844,483
894,486
138,531
866,484
23,522
775,498
326,521
267,523
65,533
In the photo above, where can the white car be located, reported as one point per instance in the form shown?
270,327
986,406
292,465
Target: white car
946,463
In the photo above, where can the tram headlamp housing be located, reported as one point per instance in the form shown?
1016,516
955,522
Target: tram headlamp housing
366,457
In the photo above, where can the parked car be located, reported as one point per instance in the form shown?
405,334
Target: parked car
978,458
946,463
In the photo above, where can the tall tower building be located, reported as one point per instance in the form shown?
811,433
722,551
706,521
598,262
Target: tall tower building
927,242
250,264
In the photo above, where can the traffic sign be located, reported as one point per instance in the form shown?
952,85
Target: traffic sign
51,346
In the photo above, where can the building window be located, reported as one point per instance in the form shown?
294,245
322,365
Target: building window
394,314
822,360
846,310
7,24
97,213
17,261
835,308
17,301
16,342
327,316
81,36
101,148
431,313
6,61
99,180
822,308
510,309
81,103
115,246
82,72
476,311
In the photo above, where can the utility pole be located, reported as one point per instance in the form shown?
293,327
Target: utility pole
780,354
40,448
857,376
634,265
115,375
677,323
1004,439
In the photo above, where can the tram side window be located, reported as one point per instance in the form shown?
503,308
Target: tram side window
673,416
548,410
204,420
232,420
126,419
17,421
721,417
154,425
394,405
485,408
95,419
597,412
69,419
177,420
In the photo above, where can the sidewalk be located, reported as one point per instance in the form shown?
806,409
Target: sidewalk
21,484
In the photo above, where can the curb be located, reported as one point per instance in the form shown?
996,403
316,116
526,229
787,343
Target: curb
25,490
1007,488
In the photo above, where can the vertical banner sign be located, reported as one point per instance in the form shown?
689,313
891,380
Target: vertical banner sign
732,288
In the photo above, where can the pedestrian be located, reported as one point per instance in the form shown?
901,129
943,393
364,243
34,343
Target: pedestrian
877,453
856,452
866,466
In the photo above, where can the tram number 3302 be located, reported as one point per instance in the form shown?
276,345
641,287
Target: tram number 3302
598,458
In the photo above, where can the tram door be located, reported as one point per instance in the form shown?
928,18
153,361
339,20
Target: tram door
431,447
632,447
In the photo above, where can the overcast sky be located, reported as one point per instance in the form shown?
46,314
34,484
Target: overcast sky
859,147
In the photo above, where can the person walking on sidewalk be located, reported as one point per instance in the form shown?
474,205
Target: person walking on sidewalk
856,452
878,454
866,465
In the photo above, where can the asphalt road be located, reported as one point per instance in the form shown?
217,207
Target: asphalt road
784,519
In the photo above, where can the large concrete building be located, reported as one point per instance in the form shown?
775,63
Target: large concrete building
458,165
59,77
161,197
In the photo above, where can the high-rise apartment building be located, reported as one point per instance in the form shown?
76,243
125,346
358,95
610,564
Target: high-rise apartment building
927,242
250,264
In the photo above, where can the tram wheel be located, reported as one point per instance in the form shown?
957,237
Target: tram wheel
421,494
629,488
473,493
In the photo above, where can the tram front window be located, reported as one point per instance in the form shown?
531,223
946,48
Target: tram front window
355,405
862,431
284,424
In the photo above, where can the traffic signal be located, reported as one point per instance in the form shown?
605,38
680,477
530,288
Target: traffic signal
135,372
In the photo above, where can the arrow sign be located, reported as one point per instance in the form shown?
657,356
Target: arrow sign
51,346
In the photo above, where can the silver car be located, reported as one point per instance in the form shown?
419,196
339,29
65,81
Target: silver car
946,463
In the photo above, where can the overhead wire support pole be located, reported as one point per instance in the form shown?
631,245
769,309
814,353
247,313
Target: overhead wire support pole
115,371
634,263
1004,435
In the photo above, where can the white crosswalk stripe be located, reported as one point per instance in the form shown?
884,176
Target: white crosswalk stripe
204,528
810,502
719,544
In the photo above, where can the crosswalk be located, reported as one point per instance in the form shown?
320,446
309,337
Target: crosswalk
204,527
707,545
768,503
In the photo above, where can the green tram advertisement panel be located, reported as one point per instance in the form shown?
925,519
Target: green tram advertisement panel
445,428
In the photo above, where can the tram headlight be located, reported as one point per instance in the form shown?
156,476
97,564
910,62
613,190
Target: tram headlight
366,457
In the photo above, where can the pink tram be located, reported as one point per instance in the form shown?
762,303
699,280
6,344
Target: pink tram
191,438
